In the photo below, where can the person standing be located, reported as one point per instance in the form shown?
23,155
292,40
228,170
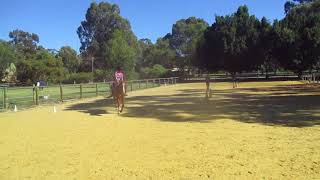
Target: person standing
208,85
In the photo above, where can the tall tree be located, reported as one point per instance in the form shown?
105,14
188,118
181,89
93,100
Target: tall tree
69,58
25,42
121,51
231,43
293,3
145,48
298,45
185,34
183,40
102,20
7,56
265,47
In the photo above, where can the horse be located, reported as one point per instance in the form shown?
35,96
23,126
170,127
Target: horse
118,95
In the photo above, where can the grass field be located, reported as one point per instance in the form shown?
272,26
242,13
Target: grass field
265,130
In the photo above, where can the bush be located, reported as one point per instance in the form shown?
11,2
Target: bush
154,72
100,75
82,77
132,75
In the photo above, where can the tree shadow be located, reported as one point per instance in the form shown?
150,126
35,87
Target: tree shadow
291,106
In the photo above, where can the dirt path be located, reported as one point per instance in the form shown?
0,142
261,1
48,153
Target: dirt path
260,131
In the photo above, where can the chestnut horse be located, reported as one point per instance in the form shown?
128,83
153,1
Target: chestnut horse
118,95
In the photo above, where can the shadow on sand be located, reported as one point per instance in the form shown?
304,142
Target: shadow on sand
291,106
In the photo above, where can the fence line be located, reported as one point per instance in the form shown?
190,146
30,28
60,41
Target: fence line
311,78
242,76
32,96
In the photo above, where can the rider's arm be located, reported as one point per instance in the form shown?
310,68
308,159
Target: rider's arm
114,77
124,77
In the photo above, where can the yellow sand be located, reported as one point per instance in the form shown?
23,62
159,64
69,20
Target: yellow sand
261,130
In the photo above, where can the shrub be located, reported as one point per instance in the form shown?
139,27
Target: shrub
82,77
154,72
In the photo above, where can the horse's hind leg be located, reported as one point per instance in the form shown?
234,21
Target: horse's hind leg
118,106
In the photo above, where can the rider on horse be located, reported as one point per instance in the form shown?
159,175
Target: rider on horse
119,77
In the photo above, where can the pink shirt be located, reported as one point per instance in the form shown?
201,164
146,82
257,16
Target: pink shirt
119,75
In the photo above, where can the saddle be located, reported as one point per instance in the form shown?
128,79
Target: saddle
117,87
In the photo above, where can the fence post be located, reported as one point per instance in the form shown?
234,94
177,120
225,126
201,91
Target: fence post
37,95
5,98
131,88
139,84
61,93
110,90
80,91
153,82
159,82
314,78
97,93
147,84
33,94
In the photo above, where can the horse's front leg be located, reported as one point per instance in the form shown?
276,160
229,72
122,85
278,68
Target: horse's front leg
118,105
122,103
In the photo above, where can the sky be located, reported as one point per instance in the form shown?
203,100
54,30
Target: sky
56,21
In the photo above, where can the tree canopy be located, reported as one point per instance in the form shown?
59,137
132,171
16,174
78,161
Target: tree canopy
298,47
101,21
230,43
70,59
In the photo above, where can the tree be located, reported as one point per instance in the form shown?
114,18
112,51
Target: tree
145,48
163,54
43,66
185,34
267,40
102,20
70,59
155,71
298,44
25,42
10,74
293,3
231,43
183,40
121,51
158,53
7,56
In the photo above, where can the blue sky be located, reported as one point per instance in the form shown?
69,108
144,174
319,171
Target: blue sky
56,21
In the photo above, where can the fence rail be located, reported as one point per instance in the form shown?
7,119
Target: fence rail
243,76
25,97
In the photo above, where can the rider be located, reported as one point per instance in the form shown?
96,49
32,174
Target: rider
119,77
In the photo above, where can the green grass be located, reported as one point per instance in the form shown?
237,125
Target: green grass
1,98
23,97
